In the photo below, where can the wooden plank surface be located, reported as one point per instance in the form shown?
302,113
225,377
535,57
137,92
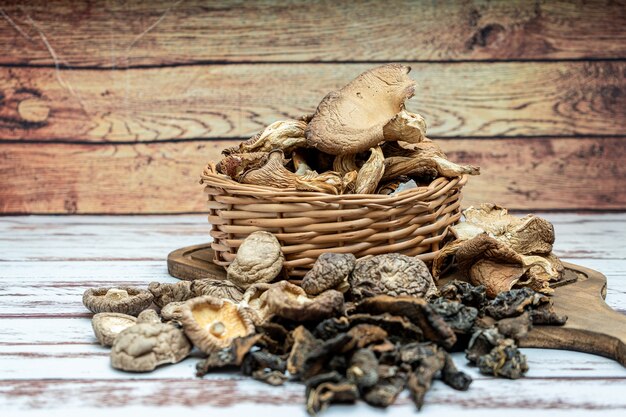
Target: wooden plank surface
228,101
115,34
50,363
537,173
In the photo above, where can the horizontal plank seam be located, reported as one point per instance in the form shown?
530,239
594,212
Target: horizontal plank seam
236,138
78,67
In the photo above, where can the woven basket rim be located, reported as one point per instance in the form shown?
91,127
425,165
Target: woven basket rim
210,177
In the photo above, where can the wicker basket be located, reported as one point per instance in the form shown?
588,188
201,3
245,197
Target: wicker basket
413,222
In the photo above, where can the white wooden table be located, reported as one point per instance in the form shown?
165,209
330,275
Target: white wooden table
51,364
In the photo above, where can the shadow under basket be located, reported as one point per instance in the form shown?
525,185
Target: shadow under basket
413,222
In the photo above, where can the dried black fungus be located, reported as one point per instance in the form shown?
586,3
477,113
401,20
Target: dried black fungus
363,369
391,382
465,293
515,302
458,316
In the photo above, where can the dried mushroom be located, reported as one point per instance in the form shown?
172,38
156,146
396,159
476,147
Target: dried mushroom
285,135
529,235
212,323
106,326
253,300
424,159
274,174
496,355
330,270
259,260
515,302
356,117
291,302
217,288
489,262
236,165
324,389
165,293
173,311
417,310
144,346
232,355
125,300
148,316
391,274
371,172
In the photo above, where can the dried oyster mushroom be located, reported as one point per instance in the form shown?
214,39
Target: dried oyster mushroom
274,174
425,159
144,346
106,326
212,323
291,302
529,235
125,300
259,260
236,165
165,293
371,172
285,135
364,113
489,262
345,163
391,274
329,271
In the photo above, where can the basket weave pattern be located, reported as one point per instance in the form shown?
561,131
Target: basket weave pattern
307,224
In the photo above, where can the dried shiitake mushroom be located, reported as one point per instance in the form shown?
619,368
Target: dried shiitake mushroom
106,326
365,112
259,259
212,323
144,346
330,271
253,300
173,311
391,274
165,293
291,302
125,300
217,288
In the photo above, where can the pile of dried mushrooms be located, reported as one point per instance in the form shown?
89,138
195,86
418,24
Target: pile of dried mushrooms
360,140
351,328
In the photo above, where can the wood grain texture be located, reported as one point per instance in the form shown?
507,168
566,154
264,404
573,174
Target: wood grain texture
116,33
228,101
531,173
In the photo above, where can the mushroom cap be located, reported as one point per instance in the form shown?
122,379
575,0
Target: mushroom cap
328,271
259,259
125,300
217,288
289,301
212,323
172,311
391,274
165,293
352,119
144,346
106,326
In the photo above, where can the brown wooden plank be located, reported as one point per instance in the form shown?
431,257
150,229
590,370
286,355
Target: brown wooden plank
531,173
117,33
465,99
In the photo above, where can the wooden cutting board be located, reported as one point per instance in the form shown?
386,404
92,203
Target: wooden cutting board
592,326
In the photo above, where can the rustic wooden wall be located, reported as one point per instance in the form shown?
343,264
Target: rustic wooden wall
115,106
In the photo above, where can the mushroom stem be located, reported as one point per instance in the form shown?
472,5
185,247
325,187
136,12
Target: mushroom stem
371,172
217,329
